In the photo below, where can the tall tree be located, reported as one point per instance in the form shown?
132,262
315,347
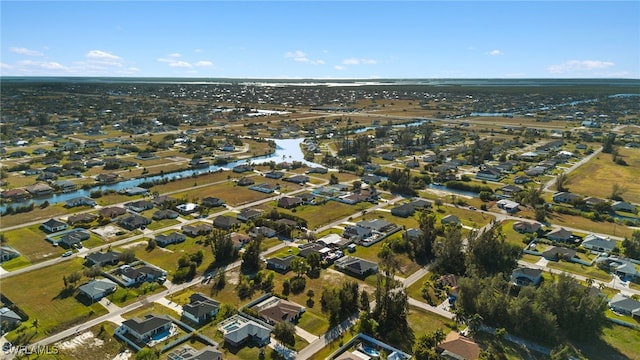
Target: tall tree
489,254
449,252
422,246
251,261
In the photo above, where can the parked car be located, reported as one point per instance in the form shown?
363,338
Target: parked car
67,254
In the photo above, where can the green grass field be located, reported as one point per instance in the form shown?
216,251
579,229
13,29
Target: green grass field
30,242
596,177
46,301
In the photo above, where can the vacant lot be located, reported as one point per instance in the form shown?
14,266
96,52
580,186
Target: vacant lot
47,301
596,177
30,242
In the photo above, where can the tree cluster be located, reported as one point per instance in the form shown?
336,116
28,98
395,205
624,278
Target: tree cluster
340,302
563,307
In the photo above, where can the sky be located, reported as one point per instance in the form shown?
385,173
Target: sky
321,39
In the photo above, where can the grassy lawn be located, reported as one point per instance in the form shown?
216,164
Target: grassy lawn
414,290
159,224
30,242
511,236
126,296
530,258
616,342
16,263
319,215
406,265
46,301
425,322
151,308
167,257
36,214
588,271
589,178
333,346
580,222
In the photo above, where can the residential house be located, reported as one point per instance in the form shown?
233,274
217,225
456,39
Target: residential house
131,276
211,202
489,173
15,194
171,238
8,253
112,212
96,289
74,238
65,185
408,209
524,276
239,240
102,259
565,197
80,201
289,202
139,206
200,309
280,264
298,179
371,179
248,214
225,222
335,241
106,178
144,329
413,234
598,243
53,225
524,227
556,253
308,198
136,190
508,205
458,347
317,170
521,180
266,188
593,201
355,232
560,235
245,181
164,214
163,201
276,310
619,266
39,189
622,206
379,225
315,247
9,319
242,168
134,221
625,305
274,174
510,190
238,329
82,218
450,219
264,231
187,208
197,230
356,266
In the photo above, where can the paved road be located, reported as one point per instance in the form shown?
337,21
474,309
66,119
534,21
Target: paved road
584,160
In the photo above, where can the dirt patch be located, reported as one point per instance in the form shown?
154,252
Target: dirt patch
108,231
85,340
135,244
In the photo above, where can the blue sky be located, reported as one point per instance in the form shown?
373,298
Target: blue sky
325,39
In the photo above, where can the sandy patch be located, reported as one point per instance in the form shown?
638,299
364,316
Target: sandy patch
125,355
85,340
137,243
108,231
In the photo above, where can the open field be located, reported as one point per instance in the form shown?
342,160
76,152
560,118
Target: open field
579,269
602,227
319,215
47,301
596,177
30,242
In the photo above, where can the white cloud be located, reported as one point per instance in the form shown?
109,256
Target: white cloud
495,52
45,65
300,56
174,55
180,63
579,65
25,51
340,67
355,61
102,56
203,63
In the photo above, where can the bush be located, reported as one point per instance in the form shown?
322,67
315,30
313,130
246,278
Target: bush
298,284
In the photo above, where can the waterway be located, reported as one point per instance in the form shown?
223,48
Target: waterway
287,150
